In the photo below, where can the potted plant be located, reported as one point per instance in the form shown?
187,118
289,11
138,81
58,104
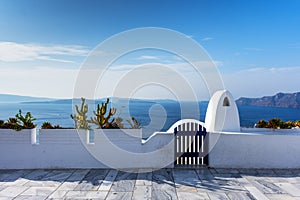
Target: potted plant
22,124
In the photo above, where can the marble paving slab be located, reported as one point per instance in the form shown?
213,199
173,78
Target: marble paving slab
142,192
119,196
160,184
92,180
124,182
108,181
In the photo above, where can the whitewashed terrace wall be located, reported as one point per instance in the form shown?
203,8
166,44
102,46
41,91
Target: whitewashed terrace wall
242,150
67,148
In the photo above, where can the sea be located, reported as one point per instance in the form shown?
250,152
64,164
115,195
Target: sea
154,115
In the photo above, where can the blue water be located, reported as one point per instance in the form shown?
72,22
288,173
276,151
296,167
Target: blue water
59,112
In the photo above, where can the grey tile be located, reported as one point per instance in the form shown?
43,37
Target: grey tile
282,172
5,198
144,179
160,184
164,194
289,188
204,174
5,173
265,172
39,191
92,180
78,175
42,184
2,187
186,180
16,175
142,192
240,196
108,181
18,182
85,195
256,193
28,197
124,182
68,186
280,197
163,176
218,196
226,171
12,191
58,194
119,196
75,194
192,196
37,174
248,171
57,175
296,172
268,187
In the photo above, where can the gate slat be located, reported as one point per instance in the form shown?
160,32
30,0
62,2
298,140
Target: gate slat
191,144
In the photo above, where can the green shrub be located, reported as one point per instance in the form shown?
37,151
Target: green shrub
19,122
276,123
48,125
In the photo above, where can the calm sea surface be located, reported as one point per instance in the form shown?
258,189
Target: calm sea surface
161,112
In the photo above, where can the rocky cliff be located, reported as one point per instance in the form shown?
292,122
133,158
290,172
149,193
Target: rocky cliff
283,100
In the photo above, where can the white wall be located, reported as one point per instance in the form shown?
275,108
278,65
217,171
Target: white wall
67,148
219,117
242,150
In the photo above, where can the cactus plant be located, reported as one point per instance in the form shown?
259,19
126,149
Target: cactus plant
119,122
100,119
134,123
80,119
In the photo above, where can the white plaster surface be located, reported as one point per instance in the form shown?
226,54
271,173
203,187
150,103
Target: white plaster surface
219,117
240,150
69,148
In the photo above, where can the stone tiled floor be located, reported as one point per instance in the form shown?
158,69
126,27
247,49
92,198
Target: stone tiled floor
189,184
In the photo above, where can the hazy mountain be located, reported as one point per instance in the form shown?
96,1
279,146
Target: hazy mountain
9,98
282,100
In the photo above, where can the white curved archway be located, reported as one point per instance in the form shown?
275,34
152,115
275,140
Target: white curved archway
191,123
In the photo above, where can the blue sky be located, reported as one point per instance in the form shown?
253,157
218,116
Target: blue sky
256,44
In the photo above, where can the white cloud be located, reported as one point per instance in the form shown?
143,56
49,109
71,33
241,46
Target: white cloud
273,69
33,80
15,52
207,38
38,81
256,82
179,66
145,57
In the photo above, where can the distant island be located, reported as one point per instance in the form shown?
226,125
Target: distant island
280,100
10,98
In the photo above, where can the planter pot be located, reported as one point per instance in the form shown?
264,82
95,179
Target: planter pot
23,136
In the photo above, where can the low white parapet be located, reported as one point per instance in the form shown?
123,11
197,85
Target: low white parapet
71,148
254,150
